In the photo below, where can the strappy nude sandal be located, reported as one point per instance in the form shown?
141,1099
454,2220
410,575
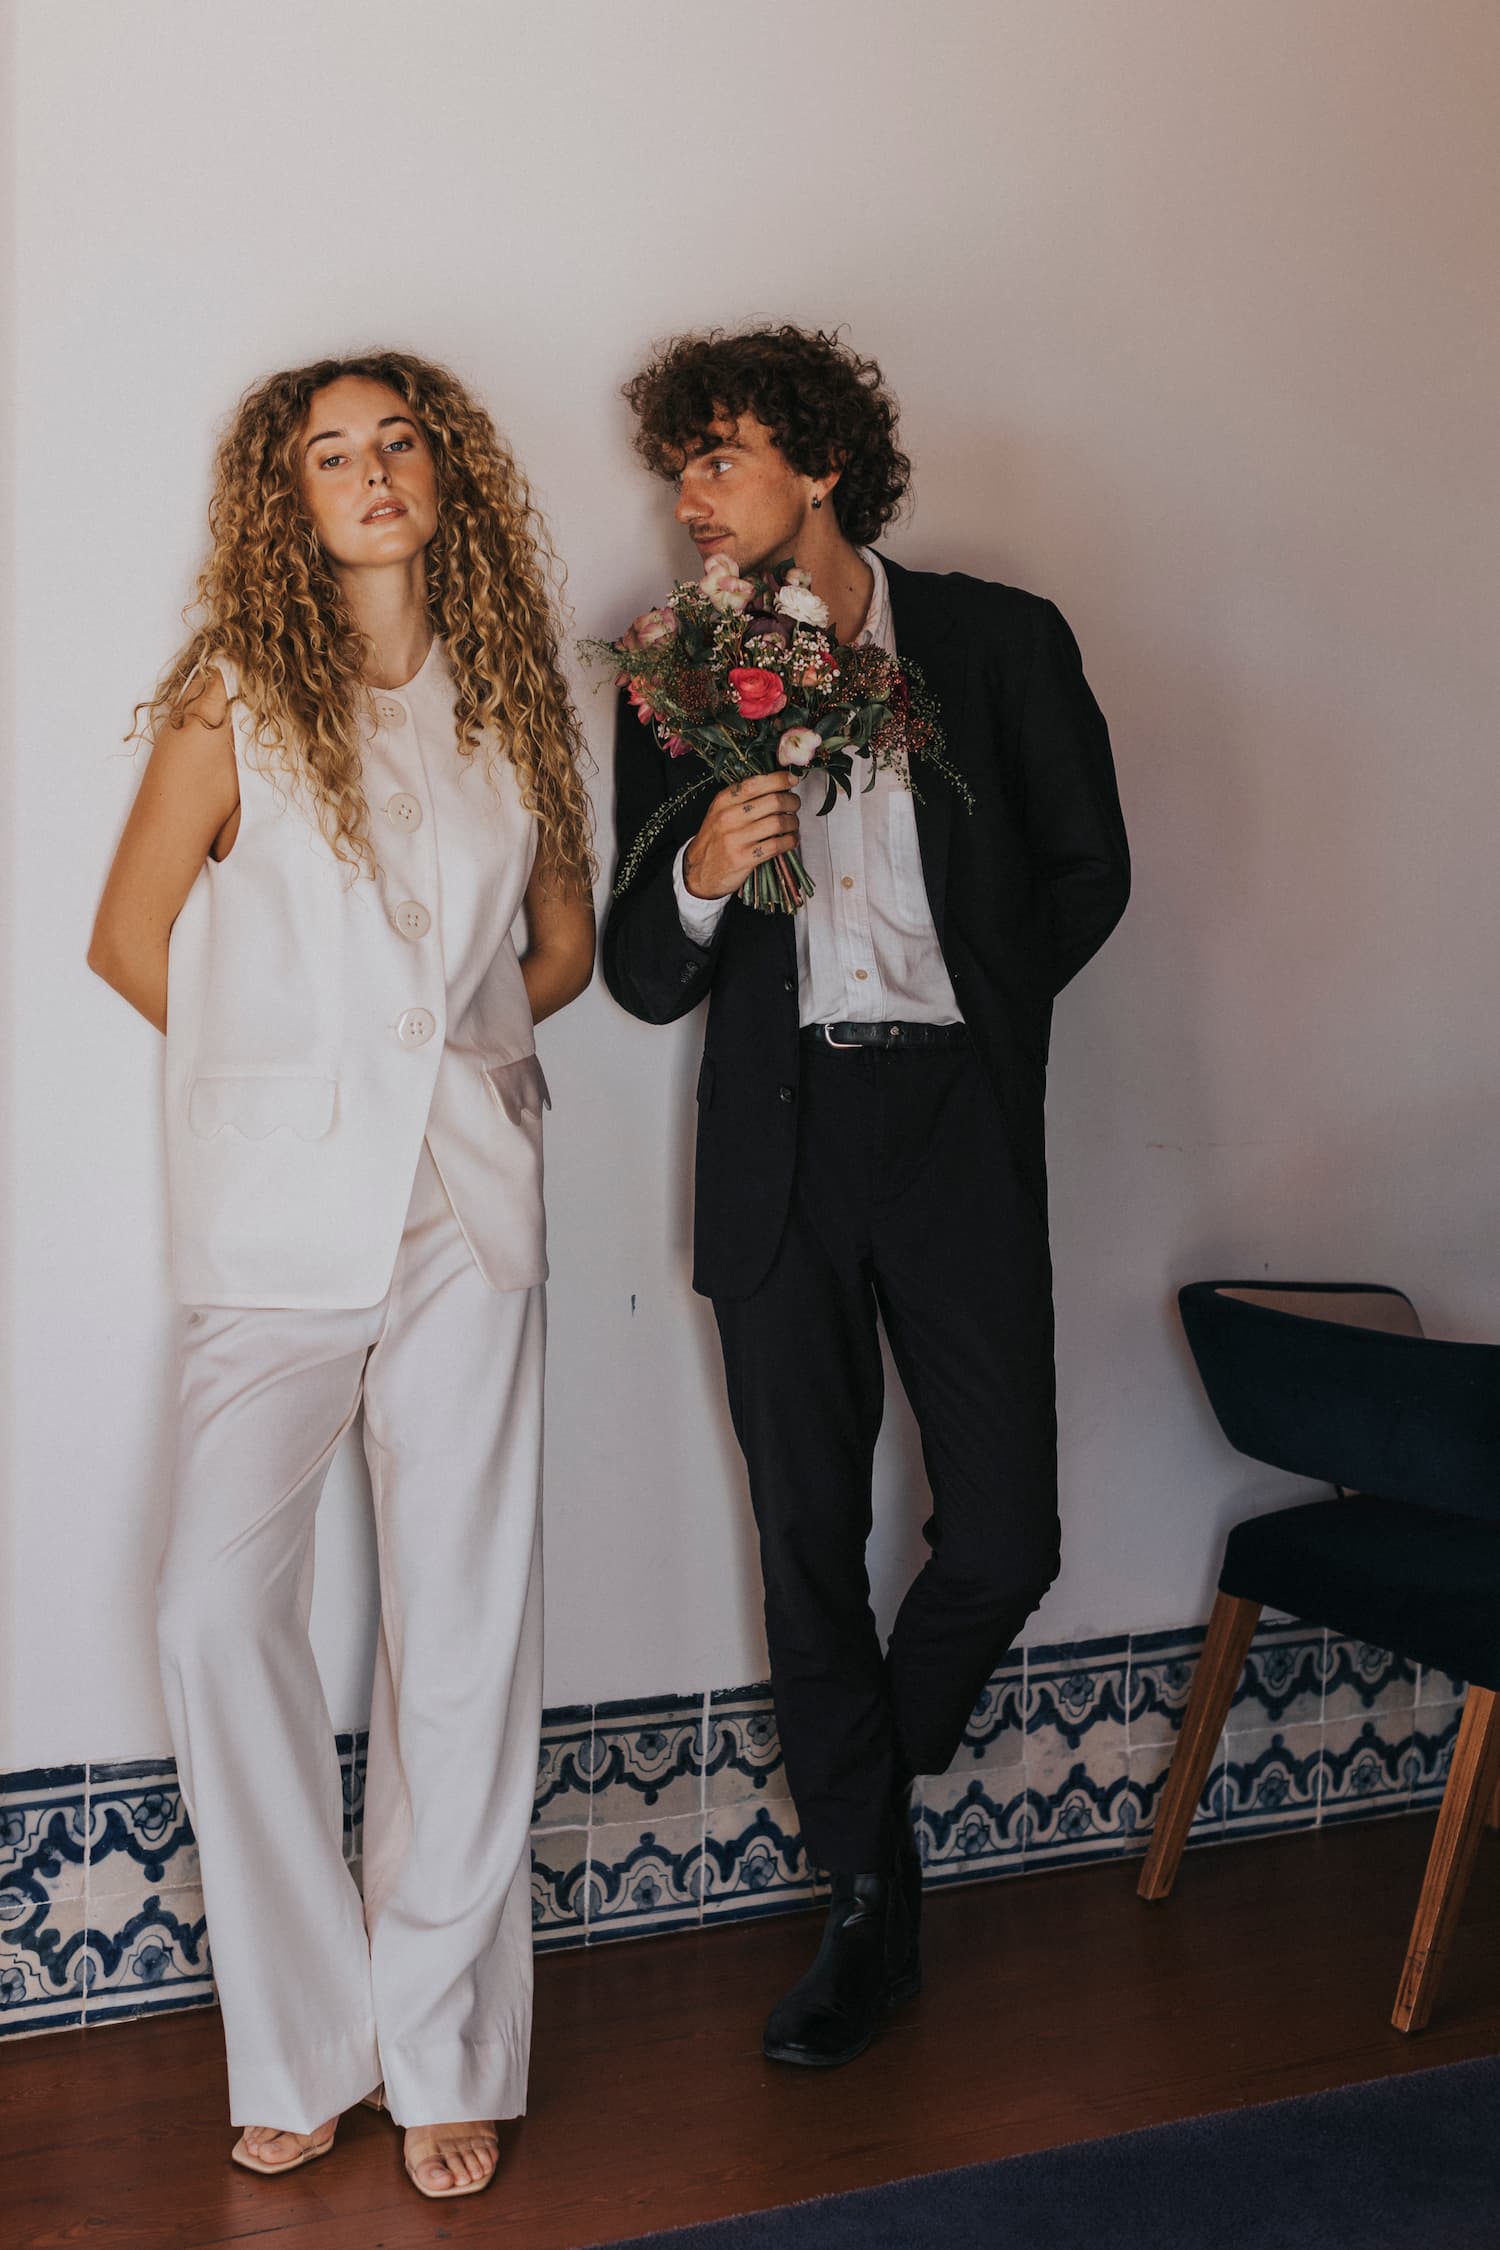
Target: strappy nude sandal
242,2153
465,2187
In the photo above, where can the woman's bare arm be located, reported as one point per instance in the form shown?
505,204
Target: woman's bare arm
559,957
187,806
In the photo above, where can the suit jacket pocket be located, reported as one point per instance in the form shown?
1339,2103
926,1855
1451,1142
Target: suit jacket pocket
256,1103
520,1088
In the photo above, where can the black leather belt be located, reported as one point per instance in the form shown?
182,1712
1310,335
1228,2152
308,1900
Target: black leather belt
888,1034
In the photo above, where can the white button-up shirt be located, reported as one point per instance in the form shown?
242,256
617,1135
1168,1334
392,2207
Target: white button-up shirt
867,951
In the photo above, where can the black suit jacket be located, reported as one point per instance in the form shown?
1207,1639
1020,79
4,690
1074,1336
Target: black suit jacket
1023,889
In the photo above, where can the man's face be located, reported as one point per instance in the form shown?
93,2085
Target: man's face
740,496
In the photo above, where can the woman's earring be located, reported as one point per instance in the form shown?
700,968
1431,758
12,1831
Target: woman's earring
817,502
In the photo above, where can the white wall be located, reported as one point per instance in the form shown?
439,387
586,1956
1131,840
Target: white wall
1192,311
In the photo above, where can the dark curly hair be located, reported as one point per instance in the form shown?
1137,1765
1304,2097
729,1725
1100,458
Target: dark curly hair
825,407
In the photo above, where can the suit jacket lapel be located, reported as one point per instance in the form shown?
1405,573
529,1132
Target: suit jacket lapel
927,637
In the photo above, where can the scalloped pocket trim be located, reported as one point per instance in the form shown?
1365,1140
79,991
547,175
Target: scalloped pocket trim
257,1104
520,1088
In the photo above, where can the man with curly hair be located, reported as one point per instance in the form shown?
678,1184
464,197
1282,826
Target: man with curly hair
870,1112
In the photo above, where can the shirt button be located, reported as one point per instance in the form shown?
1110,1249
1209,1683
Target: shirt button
787,1093
789,984
416,1027
848,882
404,810
861,974
389,712
412,918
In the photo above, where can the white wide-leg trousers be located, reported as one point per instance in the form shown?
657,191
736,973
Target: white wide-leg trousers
428,1983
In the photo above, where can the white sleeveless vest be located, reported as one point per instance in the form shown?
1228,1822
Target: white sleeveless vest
321,1024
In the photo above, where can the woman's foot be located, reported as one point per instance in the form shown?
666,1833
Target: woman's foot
451,2159
263,2148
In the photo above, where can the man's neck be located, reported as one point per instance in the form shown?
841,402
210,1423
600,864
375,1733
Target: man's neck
845,583
840,575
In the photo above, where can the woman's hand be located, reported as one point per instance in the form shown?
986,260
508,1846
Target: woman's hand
559,957
187,805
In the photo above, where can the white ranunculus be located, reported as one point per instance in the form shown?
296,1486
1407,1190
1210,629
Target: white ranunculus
798,746
802,605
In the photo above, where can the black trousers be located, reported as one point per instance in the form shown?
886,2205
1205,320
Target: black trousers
906,1202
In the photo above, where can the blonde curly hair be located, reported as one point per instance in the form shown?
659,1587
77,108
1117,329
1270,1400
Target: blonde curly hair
269,600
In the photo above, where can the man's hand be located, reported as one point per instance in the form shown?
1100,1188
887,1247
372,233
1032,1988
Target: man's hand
746,823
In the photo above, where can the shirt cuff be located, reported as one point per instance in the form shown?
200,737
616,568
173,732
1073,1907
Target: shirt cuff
700,917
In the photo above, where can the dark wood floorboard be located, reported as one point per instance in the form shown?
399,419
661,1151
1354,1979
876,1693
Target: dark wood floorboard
1056,2008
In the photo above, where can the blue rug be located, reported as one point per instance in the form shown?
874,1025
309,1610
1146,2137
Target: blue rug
1407,2163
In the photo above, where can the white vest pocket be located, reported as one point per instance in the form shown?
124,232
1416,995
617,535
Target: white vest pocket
255,1104
520,1088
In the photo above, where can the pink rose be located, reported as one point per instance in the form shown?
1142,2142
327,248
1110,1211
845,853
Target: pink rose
758,694
655,626
731,595
717,569
798,746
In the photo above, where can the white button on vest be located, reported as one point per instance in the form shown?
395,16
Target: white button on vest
412,918
416,1027
389,711
404,810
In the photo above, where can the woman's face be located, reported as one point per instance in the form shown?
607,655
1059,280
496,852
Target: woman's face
367,475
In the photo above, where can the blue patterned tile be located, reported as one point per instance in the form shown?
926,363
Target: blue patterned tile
970,1825
1359,1679
1429,1752
352,1781
43,1853
1146,1777
645,1878
1077,1689
754,1862
744,1749
130,1959
997,1721
559,1878
564,1759
1082,1812
1365,1767
140,1837
1271,1779
1437,1686
1282,1683
1158,1683
646,1758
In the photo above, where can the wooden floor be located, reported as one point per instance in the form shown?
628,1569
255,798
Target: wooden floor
1056,2008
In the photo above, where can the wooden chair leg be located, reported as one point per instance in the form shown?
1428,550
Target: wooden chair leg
1225,1647
1493,1818
1466,1800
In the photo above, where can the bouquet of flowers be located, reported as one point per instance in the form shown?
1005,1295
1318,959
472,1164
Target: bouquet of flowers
745,674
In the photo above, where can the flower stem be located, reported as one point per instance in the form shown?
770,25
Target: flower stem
779,885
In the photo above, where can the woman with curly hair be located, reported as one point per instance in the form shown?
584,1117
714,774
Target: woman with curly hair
363,783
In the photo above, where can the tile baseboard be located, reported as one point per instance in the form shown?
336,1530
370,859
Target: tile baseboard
672,1812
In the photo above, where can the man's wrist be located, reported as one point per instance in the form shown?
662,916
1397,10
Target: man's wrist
700,917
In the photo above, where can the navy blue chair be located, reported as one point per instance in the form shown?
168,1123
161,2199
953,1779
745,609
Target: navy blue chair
1335,1380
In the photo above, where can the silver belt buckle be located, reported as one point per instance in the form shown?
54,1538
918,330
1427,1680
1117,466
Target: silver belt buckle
845,1046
